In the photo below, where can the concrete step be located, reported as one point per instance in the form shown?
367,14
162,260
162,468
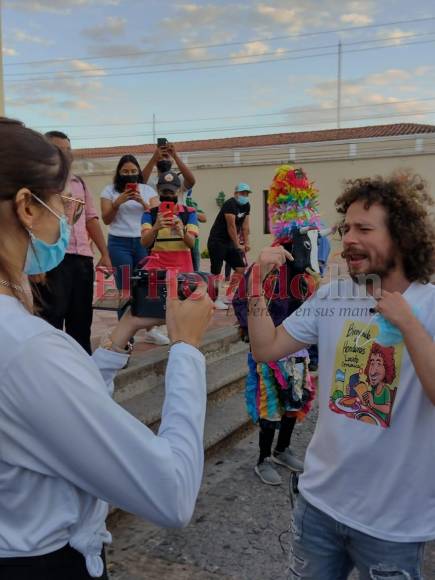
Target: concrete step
147,371
223,379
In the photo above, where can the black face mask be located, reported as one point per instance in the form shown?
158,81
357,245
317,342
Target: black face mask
164,165
124,179
168,197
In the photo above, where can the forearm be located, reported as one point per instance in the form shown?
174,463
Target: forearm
189,240
232,232
148,169
109,215
421,348
245,234
189,178
261,329
183,418
109,363
148,237
96,234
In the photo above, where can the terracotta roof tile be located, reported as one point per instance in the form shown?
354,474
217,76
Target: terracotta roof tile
264,140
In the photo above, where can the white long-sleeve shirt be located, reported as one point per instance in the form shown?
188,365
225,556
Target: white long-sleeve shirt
64,442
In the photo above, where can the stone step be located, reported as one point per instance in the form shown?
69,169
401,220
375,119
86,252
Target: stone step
147,371
222,381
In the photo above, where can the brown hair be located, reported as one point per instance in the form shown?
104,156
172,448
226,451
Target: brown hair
405,198
27,159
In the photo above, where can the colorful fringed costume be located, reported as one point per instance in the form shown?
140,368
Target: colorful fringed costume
283,389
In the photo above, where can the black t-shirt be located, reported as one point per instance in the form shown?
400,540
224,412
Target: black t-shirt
219,230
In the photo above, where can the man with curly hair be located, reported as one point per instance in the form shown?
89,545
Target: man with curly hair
356,507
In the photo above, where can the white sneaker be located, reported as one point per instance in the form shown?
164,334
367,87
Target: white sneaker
220,305
155,337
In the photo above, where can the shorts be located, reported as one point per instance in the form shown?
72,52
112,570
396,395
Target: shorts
220,252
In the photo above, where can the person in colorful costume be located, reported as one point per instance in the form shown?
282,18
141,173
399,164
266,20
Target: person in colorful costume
280,393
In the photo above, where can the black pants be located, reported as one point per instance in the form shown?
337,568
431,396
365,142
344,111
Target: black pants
64,564
267,433
220,251
65,301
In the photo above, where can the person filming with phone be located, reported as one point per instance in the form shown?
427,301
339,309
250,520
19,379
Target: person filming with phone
122,206
162,159
170,230
68,450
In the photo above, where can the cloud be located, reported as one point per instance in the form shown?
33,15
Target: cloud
87,68
56,6
23,36
249,50
396,36
31,100
9,51
356,19
388,76
112,26
76,105
287,16
56,92
370,98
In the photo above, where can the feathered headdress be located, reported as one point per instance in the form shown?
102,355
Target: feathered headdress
292,202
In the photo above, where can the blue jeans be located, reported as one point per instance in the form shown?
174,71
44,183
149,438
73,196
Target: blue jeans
125,254
324,549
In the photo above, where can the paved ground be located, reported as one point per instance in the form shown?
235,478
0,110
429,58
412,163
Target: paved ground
235,531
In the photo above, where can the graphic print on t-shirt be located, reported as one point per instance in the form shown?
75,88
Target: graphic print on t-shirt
366,375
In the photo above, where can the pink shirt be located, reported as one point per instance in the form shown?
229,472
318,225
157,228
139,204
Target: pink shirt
79,241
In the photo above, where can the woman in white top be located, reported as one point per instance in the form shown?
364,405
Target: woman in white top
66,448
122,207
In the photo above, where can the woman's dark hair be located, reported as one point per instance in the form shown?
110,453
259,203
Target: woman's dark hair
125,159
56,135
405,198
29,160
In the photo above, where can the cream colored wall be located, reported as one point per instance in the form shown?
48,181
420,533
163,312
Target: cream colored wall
328,176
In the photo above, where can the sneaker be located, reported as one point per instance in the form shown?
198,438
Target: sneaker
220,305
155,337
287,459
267,473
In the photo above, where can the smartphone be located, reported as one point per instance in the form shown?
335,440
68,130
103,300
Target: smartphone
162,141
131,187
167,208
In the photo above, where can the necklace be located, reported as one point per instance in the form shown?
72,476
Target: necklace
7,284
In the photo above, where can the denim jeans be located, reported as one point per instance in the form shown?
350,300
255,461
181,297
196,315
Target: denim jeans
324,549
125,254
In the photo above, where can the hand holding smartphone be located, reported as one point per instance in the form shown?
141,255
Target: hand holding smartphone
162,142
167,209
132,188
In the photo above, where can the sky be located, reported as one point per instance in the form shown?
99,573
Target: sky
123,72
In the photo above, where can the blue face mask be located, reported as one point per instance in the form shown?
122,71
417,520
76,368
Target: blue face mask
43,257
389,335
242,199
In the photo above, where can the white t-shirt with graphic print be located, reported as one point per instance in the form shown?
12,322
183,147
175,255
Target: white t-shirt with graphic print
371,462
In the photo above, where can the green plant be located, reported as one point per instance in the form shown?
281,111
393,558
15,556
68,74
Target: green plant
220,200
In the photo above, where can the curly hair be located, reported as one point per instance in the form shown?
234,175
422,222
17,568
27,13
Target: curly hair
387,354
406,200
